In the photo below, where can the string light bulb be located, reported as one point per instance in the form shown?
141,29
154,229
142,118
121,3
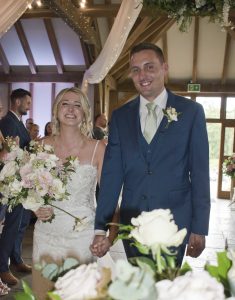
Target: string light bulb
82,3
39,3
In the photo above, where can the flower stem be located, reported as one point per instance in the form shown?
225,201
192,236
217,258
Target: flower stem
71,215
158,259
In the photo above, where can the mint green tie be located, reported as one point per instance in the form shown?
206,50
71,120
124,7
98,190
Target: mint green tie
150,122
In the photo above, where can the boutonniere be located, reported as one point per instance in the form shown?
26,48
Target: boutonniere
171,114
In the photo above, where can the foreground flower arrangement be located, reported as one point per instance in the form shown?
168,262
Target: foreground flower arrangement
144,278
184,10
229,166
34,177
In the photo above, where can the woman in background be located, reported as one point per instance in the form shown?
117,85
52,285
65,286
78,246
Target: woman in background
48,129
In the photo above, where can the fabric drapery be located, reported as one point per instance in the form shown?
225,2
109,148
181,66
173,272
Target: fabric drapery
151,122
126,17
10,12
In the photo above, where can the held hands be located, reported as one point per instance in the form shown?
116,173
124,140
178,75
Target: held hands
100,245
196,245
44,213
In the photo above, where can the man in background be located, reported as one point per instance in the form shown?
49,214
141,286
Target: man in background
16,221
29,123
99,131
34,132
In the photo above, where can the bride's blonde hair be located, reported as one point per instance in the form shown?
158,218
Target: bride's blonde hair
86,125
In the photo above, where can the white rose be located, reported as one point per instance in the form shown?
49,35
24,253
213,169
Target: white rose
33,201
15,187
8,170
79,283
193,286
58,188
157,229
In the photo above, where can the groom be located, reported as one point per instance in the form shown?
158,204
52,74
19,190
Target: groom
160,164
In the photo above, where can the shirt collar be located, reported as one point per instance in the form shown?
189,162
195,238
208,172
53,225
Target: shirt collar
160,100
15,115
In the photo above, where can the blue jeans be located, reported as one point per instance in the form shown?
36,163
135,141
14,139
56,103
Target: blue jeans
11,238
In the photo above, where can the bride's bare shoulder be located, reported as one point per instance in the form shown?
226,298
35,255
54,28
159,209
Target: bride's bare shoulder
48,140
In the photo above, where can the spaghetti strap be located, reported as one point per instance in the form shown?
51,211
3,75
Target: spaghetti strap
93,155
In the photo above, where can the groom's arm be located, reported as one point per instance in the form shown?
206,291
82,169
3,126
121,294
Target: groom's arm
111,179
200,182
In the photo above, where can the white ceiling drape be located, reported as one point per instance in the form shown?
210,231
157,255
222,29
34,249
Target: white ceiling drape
10,12
126,17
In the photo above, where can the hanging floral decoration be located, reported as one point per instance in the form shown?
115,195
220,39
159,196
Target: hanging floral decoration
184,10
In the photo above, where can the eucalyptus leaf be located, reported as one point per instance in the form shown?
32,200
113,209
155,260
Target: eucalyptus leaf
50,271
70,263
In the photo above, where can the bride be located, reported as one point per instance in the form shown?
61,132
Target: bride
55,241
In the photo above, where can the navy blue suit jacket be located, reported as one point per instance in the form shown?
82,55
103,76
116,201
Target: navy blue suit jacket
11,126
176,177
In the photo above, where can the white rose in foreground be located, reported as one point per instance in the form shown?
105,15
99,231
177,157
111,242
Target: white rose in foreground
132,283
157,229
193,286
79,283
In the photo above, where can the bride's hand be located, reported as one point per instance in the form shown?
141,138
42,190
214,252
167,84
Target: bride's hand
44,213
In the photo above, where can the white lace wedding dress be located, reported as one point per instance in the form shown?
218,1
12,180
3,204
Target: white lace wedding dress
57,240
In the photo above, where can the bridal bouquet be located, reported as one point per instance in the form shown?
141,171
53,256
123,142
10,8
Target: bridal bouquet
33,177
229,166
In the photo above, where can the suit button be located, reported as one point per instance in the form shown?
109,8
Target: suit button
143,197
149,172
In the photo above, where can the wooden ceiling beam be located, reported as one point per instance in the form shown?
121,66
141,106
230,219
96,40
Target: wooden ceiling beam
145,22
42,77
226,58
41,12
25,46
4,61
54,45
195,49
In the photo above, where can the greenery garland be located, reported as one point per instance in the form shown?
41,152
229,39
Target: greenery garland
184,10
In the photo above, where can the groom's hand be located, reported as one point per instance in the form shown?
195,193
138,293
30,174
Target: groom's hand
196,245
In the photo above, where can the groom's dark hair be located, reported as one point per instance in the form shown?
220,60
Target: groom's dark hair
148,46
